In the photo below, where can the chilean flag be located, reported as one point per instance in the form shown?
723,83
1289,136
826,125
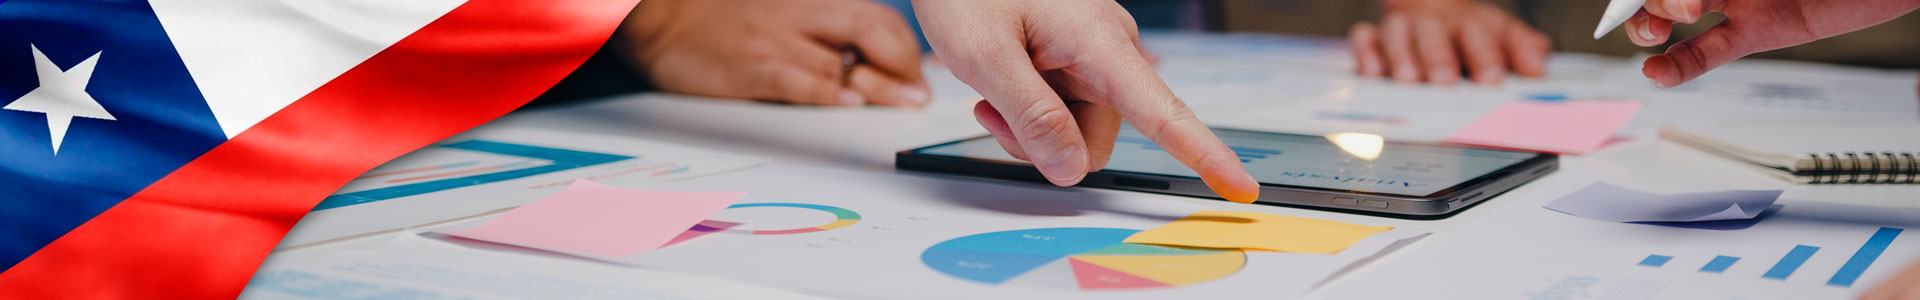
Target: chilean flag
160,149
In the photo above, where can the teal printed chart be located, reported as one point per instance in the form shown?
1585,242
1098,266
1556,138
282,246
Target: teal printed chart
842,218
534,161
1088,259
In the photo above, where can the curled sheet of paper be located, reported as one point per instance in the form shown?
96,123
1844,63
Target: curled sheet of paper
1257,231
598,219
1607,202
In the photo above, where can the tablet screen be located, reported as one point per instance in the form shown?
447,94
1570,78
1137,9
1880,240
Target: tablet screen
1357,162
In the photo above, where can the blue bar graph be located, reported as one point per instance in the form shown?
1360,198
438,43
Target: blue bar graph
1719,264
1791,262
1864,257
1655,260
1251,150
1246,154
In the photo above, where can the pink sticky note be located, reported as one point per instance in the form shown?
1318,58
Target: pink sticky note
594,218
1572,127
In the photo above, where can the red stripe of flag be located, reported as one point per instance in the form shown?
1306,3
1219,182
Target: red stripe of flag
202,231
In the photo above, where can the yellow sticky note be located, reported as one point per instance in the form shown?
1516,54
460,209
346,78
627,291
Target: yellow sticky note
1257,231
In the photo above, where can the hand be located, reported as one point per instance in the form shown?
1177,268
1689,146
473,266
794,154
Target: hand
1430,36
1752,26
777,50
1060,75
1905,285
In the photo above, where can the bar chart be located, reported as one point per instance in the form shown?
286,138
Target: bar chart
1789,264
1246,154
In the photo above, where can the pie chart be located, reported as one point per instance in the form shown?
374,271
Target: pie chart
1084,258
842,218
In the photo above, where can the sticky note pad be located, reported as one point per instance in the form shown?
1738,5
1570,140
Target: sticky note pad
1257,231
1571,127
1607,202
593,218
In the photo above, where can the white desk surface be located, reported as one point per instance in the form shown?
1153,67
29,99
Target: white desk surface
1275,83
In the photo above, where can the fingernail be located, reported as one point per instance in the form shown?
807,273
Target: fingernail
1404,74
1656,66
1055,166
848,97
1646,29
1443,77
1490,79
915,95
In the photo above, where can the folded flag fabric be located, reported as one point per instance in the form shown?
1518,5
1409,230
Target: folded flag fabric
160,149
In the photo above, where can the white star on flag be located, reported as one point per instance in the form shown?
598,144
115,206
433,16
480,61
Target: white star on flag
62,95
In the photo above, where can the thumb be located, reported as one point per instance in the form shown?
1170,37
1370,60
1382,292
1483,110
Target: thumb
1694,57
1682,11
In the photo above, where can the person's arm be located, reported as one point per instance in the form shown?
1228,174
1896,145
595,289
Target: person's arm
1059,76
1432,40
777,50
1752,26
1903,286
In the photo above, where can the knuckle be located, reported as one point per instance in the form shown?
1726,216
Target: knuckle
1045,121
1696,55
765,79
1179,115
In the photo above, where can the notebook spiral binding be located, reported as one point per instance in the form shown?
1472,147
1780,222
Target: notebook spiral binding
1865,167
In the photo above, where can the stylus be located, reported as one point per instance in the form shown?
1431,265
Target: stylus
1617,13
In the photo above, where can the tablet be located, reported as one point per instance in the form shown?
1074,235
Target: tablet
1346,172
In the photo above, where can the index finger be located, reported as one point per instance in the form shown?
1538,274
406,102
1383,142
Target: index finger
992,58
1133,89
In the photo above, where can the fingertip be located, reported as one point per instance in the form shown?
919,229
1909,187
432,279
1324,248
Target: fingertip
1051,136
1364,39
1227,176
1064,167
1443,77
914,95
1237,186
1659,30
1639,29
1490,77
997,127
1406,74
1661,70
848,97
1534,71
1369,64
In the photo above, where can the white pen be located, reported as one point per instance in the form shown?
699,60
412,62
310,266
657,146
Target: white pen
1617,12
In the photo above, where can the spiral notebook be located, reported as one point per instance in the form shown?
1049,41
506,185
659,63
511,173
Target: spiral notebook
1845,153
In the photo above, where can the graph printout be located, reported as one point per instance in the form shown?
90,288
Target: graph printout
1807,250
485,170
899,236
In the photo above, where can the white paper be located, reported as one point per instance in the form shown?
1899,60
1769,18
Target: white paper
412,269
903,215
1534,253
457,183
1608,202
